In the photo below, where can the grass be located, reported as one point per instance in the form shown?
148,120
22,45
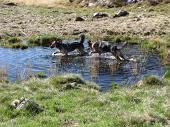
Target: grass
82,105
17,43
40,75
13,42
167,75
42,40
3,74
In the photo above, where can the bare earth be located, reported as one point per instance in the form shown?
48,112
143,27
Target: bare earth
28,20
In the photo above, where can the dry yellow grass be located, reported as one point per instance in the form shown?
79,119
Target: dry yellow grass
3,73
40,2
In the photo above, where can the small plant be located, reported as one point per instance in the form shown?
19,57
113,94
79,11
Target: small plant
40,75
114,86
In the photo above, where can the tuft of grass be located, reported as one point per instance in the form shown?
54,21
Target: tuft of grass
67,81
42,40
40,75
152,81
167,75
149,44
3,74
13,42
114,86
19,45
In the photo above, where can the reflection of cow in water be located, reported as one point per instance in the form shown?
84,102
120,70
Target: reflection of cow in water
92,65
71,64
98,65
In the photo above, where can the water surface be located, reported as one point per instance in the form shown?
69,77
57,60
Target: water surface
103,70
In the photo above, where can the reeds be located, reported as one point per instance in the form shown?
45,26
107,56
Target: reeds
3,73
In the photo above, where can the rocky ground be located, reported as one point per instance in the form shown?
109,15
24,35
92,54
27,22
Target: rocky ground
30,20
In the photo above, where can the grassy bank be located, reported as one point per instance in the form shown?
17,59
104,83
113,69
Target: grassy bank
67,100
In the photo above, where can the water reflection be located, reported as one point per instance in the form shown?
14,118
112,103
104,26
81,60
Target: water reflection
21,64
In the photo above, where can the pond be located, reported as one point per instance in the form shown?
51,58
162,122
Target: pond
20,64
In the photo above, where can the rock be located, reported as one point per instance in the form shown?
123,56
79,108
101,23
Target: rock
121,13
91,4
79,19
134,1
100,15
10,4
27,104
19,103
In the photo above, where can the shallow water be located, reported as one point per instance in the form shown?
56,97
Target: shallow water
102,70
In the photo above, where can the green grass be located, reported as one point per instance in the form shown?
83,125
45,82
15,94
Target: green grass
40,75
13,42
42,40
167,75
83,105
